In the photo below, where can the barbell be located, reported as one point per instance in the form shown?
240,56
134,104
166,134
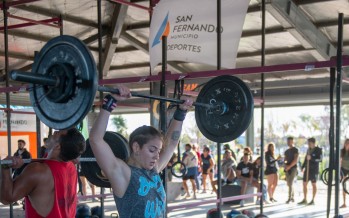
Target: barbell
26,161
64,84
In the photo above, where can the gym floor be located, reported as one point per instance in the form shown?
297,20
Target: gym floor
275,210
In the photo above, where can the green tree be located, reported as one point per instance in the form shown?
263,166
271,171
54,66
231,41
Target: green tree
120,124
311,124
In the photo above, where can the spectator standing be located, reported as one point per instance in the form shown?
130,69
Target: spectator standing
190,160
207,168
291,159
271,170
196,149
23,153
310,168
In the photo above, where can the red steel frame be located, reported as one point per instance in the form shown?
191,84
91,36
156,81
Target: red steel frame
248,70
14,3
205,74
46,23
31,22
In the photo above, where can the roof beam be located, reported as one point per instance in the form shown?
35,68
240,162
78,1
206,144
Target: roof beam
274,51
53,13
291,17
282,50
92,39
308,2
330,22
17,55
117,22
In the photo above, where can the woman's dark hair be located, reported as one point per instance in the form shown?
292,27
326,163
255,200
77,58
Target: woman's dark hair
72,145
343,151
255,162
188,145
269,149
144,134
207,149
248,150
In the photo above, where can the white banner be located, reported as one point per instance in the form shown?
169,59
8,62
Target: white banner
19,122
191,29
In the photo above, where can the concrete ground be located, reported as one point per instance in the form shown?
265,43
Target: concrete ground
275,210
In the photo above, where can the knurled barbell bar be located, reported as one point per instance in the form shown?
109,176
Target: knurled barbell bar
26,161
64,85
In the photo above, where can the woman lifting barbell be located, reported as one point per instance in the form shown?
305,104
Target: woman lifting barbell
137,187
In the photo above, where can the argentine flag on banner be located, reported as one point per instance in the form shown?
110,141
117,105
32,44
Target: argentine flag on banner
190,27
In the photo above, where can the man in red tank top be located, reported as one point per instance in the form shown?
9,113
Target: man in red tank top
49,187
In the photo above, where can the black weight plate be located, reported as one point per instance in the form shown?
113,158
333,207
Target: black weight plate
91,170
237,97
71,52
178,169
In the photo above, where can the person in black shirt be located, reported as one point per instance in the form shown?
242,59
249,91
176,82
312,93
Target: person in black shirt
227,147
43,149
271,170
244,172
23,153
311,166
207,165
256,177
291,159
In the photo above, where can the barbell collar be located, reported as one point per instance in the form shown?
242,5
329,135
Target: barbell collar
34,78
26,161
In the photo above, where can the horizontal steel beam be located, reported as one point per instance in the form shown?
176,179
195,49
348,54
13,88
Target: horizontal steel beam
274,51
307,66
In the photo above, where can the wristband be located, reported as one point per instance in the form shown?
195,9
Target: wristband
179,114
109,103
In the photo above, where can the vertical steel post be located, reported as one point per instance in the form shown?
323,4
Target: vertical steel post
38,136
262,108
338,109
100,72
219,145
8,101
162,109
60,24
331,140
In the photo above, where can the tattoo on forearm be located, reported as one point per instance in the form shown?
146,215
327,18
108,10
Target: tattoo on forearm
175,135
